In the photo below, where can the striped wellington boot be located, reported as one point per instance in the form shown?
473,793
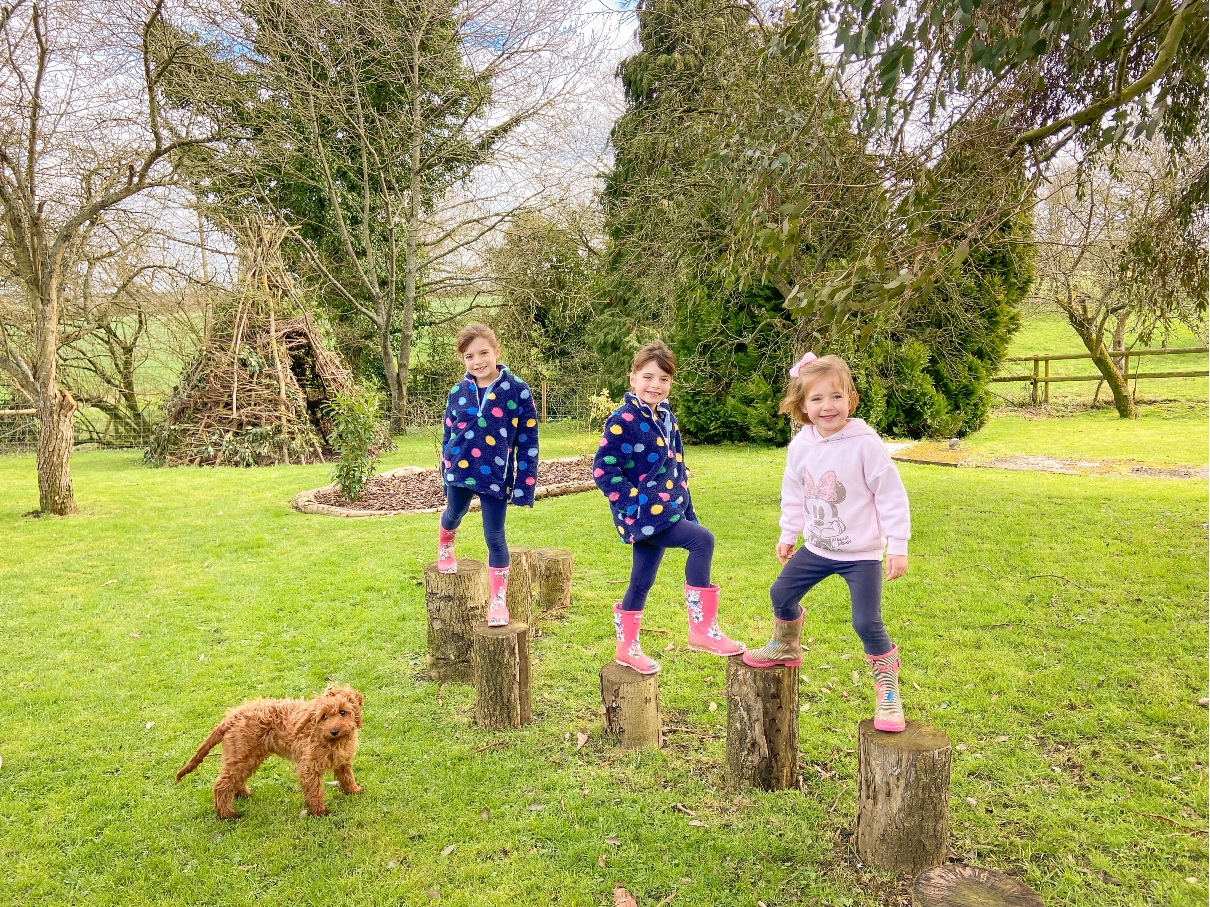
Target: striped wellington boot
785,648
888,713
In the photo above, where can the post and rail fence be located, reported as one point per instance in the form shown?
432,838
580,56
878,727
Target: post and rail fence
1040,379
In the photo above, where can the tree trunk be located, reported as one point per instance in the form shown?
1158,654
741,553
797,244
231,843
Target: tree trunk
630,704
390,369
903,797
959,885
501,667
454,602
56,435
762,725
1091,337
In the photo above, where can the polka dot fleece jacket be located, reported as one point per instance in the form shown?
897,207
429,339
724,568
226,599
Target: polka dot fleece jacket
640,467
490,442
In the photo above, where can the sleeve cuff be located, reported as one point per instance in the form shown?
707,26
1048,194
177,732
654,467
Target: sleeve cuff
897,547
788,538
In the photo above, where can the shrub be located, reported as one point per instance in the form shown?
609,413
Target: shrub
600,408
356,435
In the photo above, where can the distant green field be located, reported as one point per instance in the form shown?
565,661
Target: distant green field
1048,334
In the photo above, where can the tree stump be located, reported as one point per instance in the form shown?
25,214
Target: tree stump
501,667
903,797
454,602
762,726
630,704
957,885
551,572
520,587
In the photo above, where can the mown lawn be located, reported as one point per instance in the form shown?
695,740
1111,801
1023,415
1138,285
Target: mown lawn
1054,626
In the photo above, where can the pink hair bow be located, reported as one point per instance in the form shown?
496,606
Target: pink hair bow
808,357
825,490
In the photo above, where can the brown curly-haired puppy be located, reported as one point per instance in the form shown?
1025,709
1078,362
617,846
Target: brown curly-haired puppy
320,735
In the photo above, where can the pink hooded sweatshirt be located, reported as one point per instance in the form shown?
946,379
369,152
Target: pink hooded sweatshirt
844,495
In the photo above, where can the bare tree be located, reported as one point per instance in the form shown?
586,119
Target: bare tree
83,133
396,138
1110,243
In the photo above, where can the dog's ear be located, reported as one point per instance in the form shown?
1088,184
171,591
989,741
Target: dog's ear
356,698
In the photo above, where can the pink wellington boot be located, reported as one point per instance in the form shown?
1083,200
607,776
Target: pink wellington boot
888,713
446,562
497,609
627,651
701,603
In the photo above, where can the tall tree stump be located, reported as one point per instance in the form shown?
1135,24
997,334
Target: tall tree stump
630,704
520,587
550,569
903,797
970,886
501,668
454,602
762,726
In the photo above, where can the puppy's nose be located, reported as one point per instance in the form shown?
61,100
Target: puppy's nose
335,732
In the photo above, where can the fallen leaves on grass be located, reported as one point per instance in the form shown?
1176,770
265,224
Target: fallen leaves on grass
622,898
448,849
581,739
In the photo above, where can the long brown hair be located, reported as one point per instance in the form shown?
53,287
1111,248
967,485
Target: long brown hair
657,351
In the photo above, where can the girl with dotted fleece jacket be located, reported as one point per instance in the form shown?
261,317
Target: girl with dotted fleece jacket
489,448
640,468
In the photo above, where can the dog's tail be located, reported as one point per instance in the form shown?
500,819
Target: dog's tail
207,745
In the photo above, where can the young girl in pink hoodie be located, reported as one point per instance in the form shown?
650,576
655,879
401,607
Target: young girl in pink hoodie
842,493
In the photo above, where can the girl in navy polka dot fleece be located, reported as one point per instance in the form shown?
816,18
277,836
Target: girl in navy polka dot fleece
640,468
489,448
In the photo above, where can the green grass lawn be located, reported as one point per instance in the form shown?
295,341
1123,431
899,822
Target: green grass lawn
1164,433
1080,760
1050,334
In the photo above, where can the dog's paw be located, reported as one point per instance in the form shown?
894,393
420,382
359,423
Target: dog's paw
322,811
355,789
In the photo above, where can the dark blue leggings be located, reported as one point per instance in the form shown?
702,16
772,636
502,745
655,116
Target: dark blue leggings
806,568
647,554
493,510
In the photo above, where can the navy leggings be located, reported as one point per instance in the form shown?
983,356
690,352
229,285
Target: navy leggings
806,568
647,554
493,510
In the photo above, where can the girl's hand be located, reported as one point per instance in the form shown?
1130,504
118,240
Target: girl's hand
784,552
896,565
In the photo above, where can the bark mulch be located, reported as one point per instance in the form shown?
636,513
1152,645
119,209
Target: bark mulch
422,490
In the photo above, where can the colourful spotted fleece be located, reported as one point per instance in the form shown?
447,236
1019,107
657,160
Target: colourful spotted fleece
490,442
640,468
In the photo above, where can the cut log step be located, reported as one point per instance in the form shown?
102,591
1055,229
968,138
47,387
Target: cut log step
501,671
550,570
903,797
520,587
453,602
762,726
630,704
957,885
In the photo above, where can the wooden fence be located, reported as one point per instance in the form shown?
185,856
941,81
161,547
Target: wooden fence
1040,376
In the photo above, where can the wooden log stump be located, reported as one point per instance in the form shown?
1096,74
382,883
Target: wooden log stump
551,572
454,602
762,726
957,885
630,704
520,587
501,670
903,797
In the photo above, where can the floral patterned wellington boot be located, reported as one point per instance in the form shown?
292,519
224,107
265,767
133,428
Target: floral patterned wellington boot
497,609
785,648
701,603
445,551
888,714
627,651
